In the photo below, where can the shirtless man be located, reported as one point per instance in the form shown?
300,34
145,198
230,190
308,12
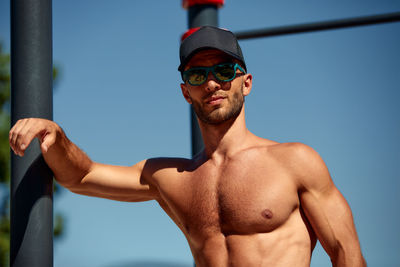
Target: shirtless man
242,201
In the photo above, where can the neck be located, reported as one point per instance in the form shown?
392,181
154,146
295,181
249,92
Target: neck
225,139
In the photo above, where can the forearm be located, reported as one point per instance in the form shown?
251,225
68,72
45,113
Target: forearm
67,161
351,257
74,170
348,253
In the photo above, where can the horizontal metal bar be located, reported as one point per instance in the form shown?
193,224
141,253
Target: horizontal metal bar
319,26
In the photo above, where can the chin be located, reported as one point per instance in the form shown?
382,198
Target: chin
218,117
220,114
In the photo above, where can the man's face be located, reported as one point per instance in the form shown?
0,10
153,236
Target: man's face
214,101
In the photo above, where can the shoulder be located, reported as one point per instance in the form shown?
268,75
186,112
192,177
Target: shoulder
155,169
286,153
293,155
286,150
302,162
154,165
293,152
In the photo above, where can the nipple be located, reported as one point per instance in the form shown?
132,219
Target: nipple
267,214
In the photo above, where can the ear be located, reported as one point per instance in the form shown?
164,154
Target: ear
185,93
247,84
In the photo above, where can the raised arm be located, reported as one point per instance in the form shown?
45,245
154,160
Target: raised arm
74,170
326,209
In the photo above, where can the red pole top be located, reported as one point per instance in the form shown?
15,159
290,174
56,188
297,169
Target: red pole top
188,3
188,32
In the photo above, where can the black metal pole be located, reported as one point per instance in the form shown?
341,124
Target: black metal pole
31,242
319,26
200,15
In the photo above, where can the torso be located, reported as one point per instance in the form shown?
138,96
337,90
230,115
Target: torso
244,212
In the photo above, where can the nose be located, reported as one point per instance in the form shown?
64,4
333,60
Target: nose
212,84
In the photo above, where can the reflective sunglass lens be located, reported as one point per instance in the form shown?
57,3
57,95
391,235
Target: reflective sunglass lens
196,77
224,72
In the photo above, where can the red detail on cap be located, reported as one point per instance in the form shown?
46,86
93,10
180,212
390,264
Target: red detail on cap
188,33
188,3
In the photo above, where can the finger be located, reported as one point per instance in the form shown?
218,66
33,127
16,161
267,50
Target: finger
15,134
27,134
11,135
47,141
18,135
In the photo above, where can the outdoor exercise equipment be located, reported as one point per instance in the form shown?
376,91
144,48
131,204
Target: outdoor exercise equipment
31,195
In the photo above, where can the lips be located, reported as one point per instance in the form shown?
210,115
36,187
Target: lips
214,100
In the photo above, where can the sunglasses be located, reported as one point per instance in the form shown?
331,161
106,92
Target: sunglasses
225,72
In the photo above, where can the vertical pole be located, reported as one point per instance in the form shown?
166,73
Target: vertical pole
31,242
200,15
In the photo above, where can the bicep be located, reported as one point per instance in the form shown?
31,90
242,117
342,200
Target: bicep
325,207
330,217
117,183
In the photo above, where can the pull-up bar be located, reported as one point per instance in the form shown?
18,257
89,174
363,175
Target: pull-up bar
319,26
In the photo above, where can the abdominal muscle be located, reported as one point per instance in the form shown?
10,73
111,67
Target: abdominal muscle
289,245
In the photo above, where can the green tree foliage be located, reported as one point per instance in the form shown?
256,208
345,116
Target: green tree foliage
5,161
4,155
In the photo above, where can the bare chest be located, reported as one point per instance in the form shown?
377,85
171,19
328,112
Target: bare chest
236,199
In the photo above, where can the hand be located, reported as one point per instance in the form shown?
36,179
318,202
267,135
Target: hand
25,130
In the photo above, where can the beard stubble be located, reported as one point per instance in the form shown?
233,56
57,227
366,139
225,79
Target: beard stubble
218,115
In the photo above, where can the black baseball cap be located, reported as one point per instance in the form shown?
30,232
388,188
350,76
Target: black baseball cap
209,37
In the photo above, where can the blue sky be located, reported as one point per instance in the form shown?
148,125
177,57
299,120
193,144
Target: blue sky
118,98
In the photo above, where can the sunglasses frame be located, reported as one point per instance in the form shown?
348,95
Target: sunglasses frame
235,66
